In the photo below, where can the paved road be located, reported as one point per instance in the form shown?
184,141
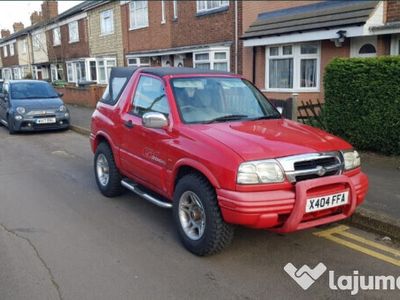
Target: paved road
60,239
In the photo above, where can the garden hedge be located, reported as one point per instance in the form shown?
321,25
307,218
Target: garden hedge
362,102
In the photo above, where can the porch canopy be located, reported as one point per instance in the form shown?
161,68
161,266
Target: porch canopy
317,21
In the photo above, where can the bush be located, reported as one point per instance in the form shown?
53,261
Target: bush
362,102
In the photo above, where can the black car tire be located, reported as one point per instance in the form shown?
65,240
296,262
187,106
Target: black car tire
217,234
113,187
10,125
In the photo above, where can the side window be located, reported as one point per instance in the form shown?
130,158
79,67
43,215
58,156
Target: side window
5,88
150,97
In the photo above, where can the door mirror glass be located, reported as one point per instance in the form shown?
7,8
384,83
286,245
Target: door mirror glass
154,120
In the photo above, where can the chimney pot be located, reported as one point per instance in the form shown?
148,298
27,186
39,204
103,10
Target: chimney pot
18,26
5,33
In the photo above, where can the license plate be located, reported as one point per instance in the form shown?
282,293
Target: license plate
328,201
46,121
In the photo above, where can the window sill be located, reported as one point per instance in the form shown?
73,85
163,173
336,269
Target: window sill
106,34
136,28
305,90
73,42
57,45
212,11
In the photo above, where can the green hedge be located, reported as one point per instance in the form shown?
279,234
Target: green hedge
362,102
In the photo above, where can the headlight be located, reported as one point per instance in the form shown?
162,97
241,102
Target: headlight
262,171
21,110
351,159
62,108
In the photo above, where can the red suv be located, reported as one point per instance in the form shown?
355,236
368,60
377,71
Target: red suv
210,146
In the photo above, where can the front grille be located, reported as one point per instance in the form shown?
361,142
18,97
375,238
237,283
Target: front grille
310,166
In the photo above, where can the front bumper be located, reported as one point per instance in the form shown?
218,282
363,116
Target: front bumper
284,210
29,123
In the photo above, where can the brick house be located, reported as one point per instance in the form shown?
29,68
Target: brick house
9,54
288,46
202,34
68,45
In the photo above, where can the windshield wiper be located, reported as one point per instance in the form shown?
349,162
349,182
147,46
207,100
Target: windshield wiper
266,117
227,118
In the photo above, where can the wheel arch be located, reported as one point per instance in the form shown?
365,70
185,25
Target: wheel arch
187,166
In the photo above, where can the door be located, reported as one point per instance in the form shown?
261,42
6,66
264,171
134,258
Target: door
144,151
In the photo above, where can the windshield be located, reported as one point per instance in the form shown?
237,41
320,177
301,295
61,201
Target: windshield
32,90
218,99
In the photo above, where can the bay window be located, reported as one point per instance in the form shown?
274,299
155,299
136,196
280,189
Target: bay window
57,72
138,61
213,59
138,12
293,67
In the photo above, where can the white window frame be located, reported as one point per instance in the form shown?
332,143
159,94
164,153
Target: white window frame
16,73
56,33
139,62
5,52
211,57
24,47
163,12
107,76
73,38
205,5
36,41
175,9
12,50
297,57
133,11
103,15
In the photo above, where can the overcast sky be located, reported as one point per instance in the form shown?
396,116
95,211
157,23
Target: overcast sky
20,11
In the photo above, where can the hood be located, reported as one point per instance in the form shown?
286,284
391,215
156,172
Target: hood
40,103
264,139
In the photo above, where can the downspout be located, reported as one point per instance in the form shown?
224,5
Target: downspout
30,51
254,65
236,37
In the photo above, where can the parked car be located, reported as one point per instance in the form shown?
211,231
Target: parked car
29,105
210,146
1,85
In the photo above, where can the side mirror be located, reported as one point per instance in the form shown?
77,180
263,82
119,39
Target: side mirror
60,94
154,120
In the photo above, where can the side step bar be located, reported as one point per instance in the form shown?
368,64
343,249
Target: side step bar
135,188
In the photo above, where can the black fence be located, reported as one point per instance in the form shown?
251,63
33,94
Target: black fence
309,113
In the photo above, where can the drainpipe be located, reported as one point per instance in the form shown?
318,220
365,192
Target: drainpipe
236,37
254,65
30,51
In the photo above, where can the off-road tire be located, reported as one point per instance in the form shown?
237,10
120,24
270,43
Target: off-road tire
217,234
113,187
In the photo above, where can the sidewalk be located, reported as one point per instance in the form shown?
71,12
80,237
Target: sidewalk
381,209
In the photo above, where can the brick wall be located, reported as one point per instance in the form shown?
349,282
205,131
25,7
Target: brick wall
83,96
106,45
393,11
9,60
69,50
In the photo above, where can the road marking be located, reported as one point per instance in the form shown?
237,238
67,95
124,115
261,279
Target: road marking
342,230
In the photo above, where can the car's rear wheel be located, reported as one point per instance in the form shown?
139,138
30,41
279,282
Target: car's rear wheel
198,218
10,125
108,178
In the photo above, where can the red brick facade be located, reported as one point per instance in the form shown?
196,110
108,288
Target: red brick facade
393,11
67,50
10,60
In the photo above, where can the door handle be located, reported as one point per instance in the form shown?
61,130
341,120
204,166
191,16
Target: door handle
128,124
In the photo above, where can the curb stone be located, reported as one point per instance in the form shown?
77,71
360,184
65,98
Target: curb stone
375,222
80,130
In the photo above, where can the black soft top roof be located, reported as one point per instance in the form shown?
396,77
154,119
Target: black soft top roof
122,71
161,71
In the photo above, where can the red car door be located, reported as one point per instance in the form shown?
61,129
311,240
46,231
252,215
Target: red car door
145,150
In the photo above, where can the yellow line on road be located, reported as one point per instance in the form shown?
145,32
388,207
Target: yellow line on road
342,231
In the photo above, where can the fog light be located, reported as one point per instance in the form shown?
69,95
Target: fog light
61,122
18,117
29,125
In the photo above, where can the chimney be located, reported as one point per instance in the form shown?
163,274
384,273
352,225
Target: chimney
5,33
36,17
49,9
18,26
